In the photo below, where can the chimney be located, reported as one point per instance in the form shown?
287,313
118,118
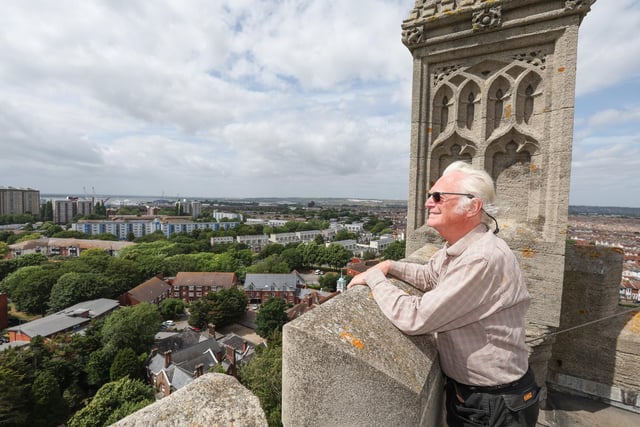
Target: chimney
212,330
199,370
309,300
231,354
167,358
244,346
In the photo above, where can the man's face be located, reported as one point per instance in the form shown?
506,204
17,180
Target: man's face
446,215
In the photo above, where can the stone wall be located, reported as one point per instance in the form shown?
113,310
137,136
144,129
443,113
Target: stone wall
210,400
493,85
601,359
345,364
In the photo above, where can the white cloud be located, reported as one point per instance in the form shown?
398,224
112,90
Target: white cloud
244,98
608,48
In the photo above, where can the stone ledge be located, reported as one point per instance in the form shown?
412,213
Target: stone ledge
345,364
210,400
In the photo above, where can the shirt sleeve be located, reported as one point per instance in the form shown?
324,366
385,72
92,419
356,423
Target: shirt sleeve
466,293
419,276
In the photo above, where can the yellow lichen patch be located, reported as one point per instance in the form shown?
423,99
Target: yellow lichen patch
429,130
528,253
348,337
561,69
533,167
633,325
507,111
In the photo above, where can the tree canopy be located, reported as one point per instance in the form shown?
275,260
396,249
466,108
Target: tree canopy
271,317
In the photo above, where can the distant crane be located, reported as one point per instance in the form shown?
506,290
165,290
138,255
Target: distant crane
95,197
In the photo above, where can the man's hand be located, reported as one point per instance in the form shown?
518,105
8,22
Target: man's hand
358,280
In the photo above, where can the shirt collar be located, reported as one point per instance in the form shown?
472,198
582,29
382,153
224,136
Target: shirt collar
459,247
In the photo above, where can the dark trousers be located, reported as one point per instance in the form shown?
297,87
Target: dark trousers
515,404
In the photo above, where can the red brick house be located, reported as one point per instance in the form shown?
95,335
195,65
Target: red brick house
154,291
260,287
4,311
190,286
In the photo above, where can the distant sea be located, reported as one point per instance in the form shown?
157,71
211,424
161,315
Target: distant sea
605,211
120,200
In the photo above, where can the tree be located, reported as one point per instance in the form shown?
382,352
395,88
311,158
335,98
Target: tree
293,258
263,376
14,401
312,253
345,235
49,408
112,402
177,263
199,313
329,282
30,288
133,327
319,240
271,317
220,308
4,249
127,364
123,274
72,288
98,367
271,249
395,251
171,308
272,264
337,255
70,234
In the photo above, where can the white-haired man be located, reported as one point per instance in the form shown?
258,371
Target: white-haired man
475,301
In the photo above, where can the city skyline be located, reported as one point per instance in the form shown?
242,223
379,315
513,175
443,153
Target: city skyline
271,99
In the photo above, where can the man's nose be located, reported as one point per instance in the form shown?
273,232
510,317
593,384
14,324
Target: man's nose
429,203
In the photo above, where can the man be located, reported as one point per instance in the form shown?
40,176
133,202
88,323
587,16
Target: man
475,302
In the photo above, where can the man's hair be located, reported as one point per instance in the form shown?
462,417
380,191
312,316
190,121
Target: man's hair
477,182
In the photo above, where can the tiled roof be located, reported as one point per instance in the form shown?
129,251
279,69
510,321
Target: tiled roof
78,243
279,282
66,319
150,290
225,280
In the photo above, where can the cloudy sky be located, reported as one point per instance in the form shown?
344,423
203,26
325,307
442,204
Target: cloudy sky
245,98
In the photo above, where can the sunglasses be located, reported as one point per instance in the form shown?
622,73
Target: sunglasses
437,195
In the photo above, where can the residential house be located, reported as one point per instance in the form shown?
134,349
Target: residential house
309,299
357,266
71,319
65,247
154,291
260,287
4,311
173,368
194,285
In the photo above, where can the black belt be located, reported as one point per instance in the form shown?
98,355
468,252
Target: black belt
525,380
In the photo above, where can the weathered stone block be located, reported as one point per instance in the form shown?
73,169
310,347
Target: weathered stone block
345,364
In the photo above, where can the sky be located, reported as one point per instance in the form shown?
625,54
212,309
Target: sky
272,98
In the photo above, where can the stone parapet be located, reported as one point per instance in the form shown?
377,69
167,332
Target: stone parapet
597,349
345,364
210,400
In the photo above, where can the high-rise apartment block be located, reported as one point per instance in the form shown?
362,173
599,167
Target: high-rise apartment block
19,201
65,210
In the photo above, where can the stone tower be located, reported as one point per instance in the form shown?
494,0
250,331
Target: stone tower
493,84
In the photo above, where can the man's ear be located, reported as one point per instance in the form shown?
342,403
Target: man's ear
475,207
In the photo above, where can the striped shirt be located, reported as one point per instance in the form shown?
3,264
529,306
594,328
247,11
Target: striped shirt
475,301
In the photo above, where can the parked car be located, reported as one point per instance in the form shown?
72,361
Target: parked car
168,323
